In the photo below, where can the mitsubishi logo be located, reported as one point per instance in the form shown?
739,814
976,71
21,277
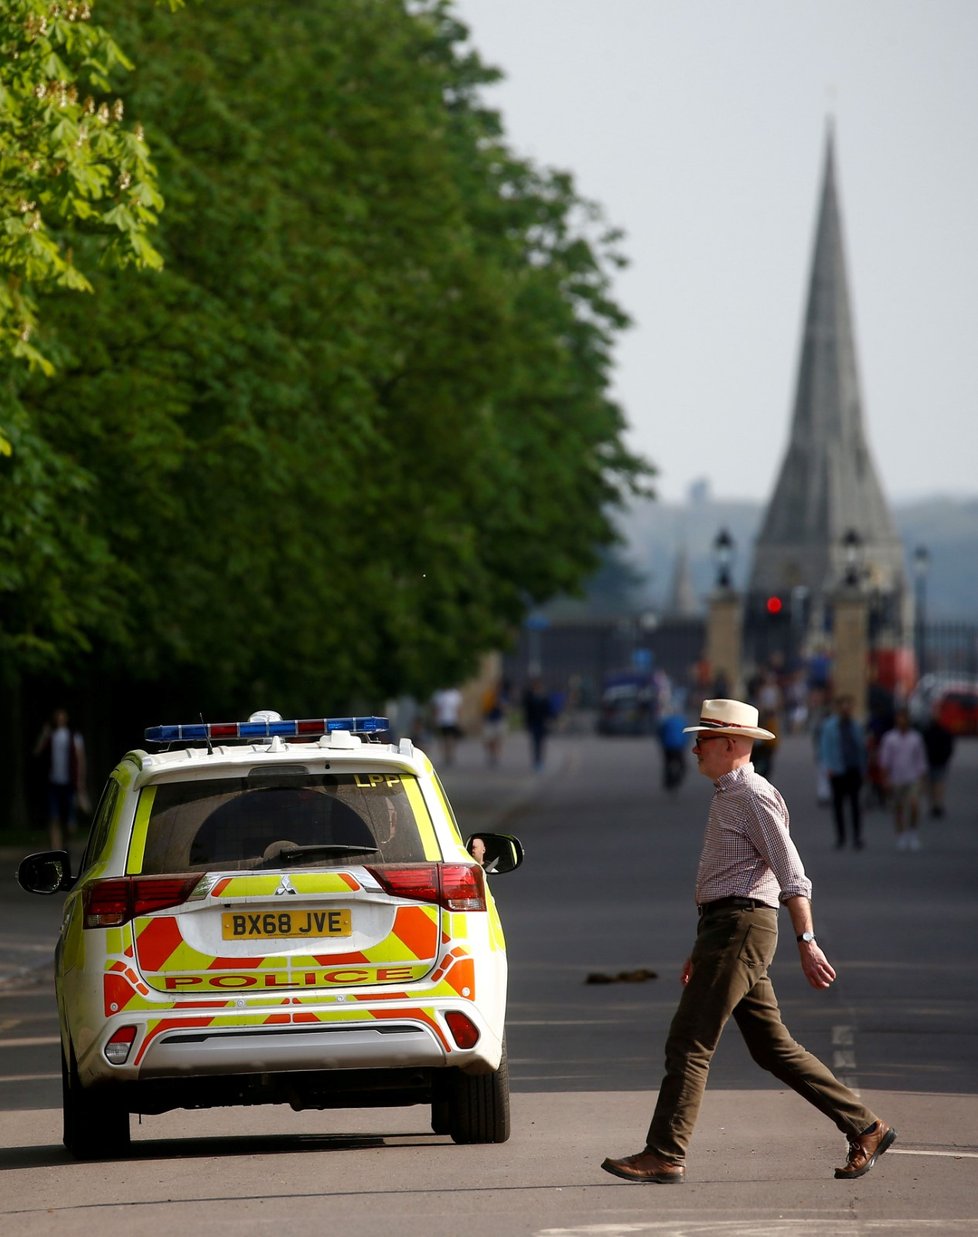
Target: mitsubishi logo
284,886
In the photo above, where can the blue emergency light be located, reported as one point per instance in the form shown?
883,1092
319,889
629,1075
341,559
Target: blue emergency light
267,728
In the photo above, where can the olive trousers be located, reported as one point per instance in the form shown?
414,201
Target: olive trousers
730,961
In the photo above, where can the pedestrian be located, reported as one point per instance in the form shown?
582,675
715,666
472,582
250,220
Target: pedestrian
748,866
537,714
939,746
903,763
764,756
672,738
447,705
63,749
842,753
494,721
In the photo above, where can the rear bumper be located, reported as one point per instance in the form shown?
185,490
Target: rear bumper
234,1050
181,1044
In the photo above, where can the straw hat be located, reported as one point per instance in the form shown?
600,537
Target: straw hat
731,717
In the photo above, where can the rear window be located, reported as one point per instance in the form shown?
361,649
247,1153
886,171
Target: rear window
280,819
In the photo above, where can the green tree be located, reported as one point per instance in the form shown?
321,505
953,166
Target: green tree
360,419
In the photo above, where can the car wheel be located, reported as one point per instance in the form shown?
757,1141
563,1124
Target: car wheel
478,1106
95,1128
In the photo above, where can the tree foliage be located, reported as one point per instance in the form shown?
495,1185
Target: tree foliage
69,167
359,420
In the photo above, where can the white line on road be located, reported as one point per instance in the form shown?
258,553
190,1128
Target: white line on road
946,1155
31,1042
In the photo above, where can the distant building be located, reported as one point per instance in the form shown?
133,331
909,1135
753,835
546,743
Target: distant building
828,491
683,602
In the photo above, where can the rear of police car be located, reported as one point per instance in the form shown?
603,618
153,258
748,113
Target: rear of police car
281,915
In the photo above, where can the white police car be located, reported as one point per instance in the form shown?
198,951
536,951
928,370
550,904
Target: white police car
278,912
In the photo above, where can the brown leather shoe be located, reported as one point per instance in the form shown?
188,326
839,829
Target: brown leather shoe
646,1166
865,1150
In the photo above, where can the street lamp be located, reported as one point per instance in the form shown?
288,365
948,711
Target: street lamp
723,550
852,544
921,566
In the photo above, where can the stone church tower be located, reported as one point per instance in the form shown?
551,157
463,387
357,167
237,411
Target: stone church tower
828,489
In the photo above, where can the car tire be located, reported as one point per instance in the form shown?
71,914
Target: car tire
95,1128
478,1106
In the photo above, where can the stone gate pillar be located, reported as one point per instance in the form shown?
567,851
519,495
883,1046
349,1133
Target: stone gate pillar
724,639
850,641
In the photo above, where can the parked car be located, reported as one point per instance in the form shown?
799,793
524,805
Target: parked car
628,705
278,912
956,708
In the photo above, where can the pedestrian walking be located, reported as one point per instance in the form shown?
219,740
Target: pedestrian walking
749,865
842,753
494,704
63,749
537,714
672,739
447,706
939,746
903,763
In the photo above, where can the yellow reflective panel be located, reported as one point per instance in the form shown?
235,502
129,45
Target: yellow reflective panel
426,830
137,844
447,807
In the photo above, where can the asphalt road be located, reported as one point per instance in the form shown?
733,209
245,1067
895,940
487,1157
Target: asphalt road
605,895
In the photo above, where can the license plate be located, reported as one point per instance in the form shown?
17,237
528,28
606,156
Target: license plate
262,925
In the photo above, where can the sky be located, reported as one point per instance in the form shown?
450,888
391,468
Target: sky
699,126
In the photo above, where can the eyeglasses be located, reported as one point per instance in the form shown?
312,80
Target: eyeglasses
708,738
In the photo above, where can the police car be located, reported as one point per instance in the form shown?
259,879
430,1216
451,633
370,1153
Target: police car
278,911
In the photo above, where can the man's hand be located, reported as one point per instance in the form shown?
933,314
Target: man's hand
818,970
687,971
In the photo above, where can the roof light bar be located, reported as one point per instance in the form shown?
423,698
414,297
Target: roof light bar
307,728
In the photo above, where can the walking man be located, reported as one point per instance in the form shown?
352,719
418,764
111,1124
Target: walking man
748,866
842,752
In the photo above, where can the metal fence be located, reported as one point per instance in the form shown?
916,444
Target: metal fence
947,649
584,653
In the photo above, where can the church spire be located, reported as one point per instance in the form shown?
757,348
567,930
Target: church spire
828,483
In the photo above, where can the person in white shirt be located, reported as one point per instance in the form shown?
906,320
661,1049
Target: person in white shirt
903,763
447,705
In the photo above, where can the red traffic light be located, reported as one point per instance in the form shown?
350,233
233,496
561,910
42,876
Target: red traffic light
774,605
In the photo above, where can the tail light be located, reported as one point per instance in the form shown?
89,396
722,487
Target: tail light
464,1031
454,886
117,899
119,1046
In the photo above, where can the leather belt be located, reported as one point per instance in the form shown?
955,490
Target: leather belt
733,904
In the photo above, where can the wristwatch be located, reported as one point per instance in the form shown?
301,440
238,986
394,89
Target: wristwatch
807,937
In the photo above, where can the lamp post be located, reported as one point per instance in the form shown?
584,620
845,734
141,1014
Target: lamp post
853,546
921,566
724,626
723,551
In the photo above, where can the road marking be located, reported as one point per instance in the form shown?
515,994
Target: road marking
844,1057
30,1042
781,1227
28,1077
946,1155
561,1022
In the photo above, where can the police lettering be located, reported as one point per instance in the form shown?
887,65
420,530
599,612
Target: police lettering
282,979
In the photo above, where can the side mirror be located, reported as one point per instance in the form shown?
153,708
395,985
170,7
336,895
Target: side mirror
497,852
48,871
